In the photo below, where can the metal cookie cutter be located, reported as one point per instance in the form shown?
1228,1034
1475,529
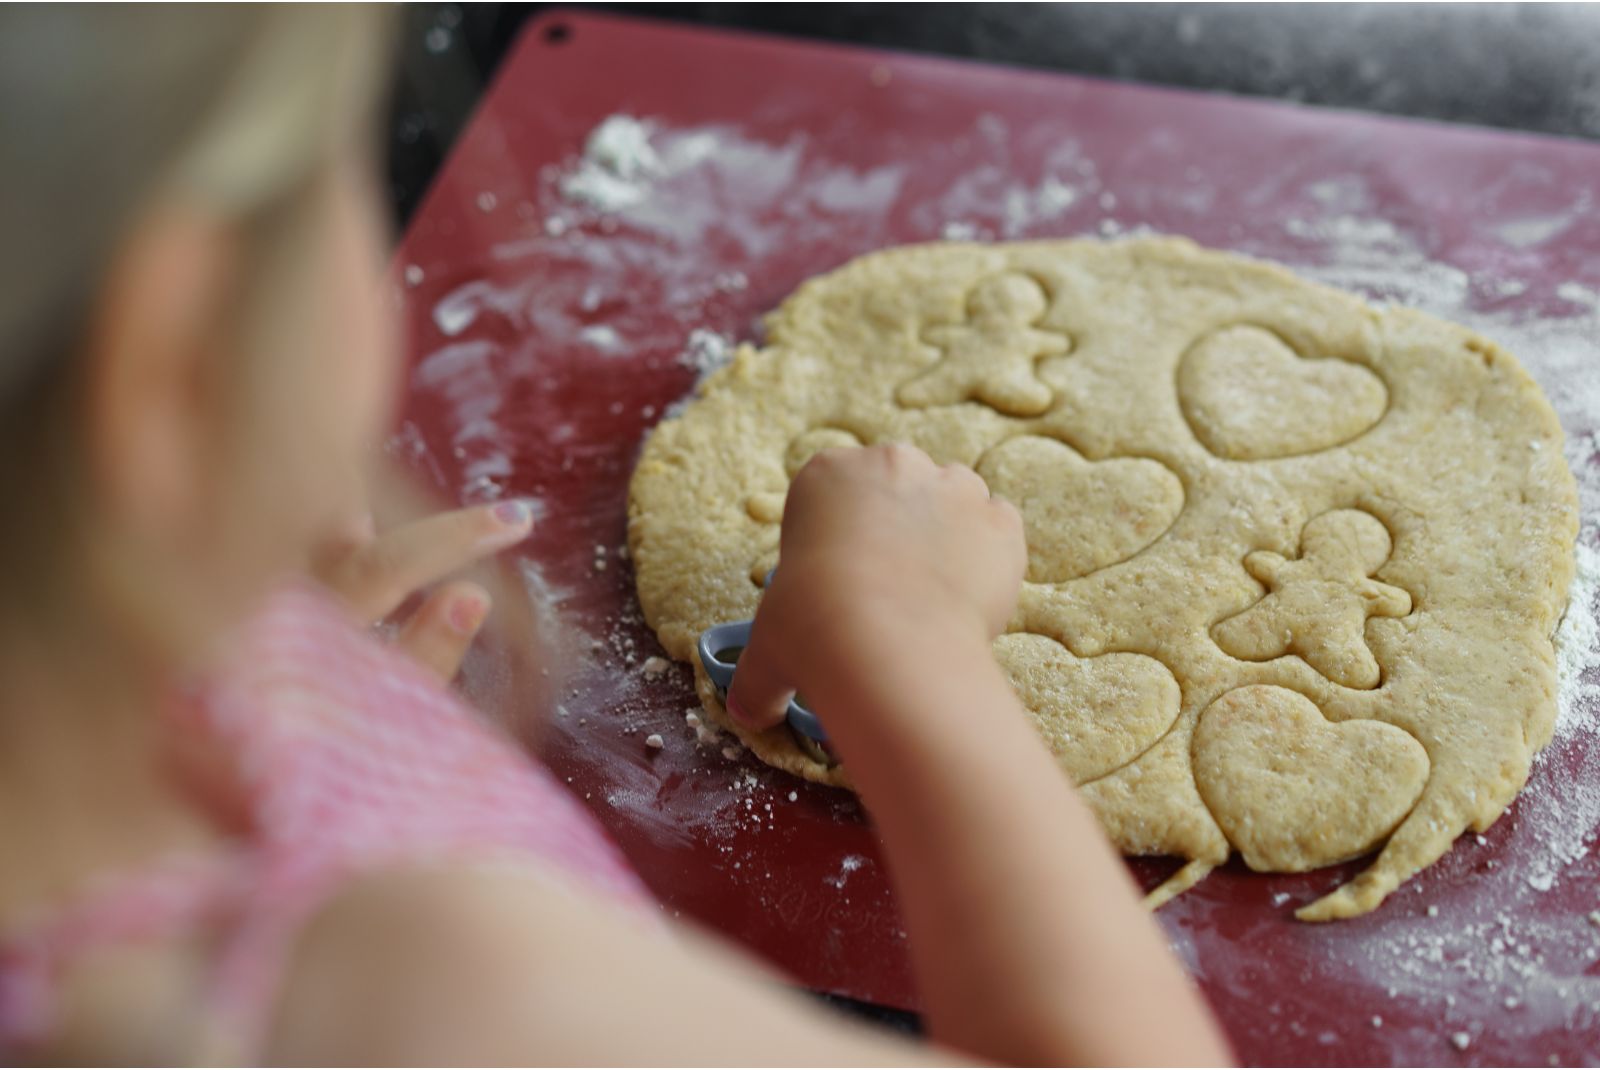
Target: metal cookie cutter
720,647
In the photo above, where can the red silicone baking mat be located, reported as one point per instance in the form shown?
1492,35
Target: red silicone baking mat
557,306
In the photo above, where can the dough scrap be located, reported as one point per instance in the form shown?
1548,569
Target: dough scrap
1344,535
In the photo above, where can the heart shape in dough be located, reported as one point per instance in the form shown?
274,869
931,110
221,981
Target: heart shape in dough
1294,791
1248,396
1096,714
1080,516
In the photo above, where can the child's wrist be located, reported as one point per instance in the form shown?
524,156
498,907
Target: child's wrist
873,659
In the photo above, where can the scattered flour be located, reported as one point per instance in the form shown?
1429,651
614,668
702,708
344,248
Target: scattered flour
1578,294
602,337
617,167
460,308
1578,647
706,351
1527,233
657,179
847,865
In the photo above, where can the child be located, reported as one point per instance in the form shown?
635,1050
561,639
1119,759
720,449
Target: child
318,857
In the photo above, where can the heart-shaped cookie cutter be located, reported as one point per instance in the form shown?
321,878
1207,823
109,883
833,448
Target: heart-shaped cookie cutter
720,647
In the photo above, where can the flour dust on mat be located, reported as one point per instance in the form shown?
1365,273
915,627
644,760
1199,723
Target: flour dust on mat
1295,564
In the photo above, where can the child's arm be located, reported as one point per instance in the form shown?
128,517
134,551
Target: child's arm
1028,939
496,967
1027,935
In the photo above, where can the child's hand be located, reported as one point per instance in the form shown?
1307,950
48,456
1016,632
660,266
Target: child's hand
376,573
885,555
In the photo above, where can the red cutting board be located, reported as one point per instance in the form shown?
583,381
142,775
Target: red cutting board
546,339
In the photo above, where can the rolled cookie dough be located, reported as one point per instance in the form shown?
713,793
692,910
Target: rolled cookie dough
1294,563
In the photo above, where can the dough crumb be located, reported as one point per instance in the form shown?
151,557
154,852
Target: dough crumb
413,275
654,741
1512,1003
794,796
1433,911
1377,1021
730,752
692,718
655,665
1462,1041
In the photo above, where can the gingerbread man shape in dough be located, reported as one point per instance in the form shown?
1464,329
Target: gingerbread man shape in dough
1317,605
991,357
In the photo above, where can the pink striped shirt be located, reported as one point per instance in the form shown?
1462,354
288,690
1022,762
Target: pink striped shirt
350,757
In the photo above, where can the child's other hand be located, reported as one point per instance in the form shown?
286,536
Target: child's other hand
375,573
885,555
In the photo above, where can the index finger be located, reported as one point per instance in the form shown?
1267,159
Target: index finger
377,577
759,695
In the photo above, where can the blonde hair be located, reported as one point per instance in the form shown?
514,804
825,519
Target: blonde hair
105,110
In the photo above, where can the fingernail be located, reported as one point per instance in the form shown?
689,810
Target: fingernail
513,514
466,614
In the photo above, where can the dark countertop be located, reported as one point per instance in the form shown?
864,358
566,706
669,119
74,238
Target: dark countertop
1518,66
